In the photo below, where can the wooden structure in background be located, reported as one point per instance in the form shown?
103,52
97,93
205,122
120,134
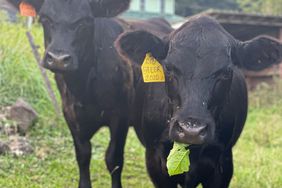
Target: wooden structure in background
245,27
145,9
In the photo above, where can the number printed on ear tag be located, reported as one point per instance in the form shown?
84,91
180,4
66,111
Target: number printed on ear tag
27,9
152,70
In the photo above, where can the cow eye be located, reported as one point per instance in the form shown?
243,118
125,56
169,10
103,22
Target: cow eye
172,69
81,23
169,67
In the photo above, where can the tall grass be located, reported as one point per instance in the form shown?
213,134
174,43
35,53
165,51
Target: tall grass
19,73
258,154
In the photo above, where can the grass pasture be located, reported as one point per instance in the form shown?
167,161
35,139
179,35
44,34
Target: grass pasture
257,155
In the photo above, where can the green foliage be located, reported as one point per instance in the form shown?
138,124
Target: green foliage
178,159
267,95
19,72
250,5
190,7
261,6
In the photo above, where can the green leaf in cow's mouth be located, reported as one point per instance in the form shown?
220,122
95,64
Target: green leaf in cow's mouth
178,159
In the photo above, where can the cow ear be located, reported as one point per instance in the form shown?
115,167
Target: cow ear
135,45
34,3
108,8
258,53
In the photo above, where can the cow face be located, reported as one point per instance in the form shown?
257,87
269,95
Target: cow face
198,87
199,61
68,28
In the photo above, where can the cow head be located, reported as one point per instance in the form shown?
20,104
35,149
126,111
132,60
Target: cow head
199,61
68,28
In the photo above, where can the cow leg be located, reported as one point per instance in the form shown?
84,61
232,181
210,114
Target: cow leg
156,170
82,144
222,174
204,167
227,169
83,156
192,179
114,155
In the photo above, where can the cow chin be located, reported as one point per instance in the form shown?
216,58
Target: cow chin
189,133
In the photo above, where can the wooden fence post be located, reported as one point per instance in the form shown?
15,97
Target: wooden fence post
43,73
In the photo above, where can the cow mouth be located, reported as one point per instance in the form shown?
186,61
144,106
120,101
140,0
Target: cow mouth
60,70
59,67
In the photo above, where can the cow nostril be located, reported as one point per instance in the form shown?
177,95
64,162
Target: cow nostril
189,124
179,129
49,59
203,131
177,126
67,60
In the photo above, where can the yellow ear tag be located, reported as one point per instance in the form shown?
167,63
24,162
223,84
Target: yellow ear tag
27,9
152,70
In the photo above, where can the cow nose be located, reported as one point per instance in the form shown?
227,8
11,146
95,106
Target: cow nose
58,61
191,131
193,127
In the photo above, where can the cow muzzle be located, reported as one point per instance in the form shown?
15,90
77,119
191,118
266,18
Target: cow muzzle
192,131
59,62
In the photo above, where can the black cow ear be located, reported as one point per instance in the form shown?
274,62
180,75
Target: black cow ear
135,45
108,8
258,53
35,3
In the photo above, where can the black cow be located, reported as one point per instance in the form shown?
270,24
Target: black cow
96,86
204,97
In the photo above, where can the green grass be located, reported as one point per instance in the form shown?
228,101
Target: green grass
257,156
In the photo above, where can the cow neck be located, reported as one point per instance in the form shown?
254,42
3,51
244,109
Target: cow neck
75,83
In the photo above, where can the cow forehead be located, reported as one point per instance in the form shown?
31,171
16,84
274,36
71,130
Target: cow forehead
190,65
66,10
200,49
201,58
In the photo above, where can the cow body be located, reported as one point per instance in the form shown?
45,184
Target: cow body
98,94
101,93
203,102
211,163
